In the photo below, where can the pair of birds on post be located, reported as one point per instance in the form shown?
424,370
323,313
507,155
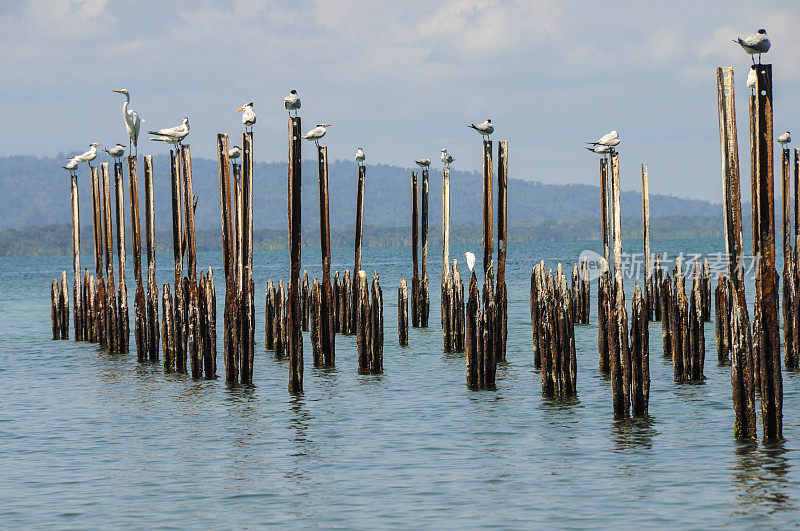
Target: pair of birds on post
605,144
171,135
484,129
115,152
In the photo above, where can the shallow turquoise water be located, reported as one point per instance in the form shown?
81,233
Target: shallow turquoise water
89,439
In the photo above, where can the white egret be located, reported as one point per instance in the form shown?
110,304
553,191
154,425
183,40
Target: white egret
317,133
88,156
447,158
116,151
172,135
292,102
132,120
423,163
360,157
248,116
485,129
757,43
784,139
470,260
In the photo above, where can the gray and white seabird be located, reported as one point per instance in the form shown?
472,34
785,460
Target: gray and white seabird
248,115
87,156
784,139
485,129
292,102
116,151
447,158
609,139
71,166
172,135
757,43
360,157
317,133
423,163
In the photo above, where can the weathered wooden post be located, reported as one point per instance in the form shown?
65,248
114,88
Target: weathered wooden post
152,285
247,312
362,171
77,304
305,300
640,355
376,327
788,262
722,321
294,321
414,252
108,243
230,311
501,296
402,312
445,243
99,302
488,185
327,326
123,330
168,330
424,306
191,251
361,314
269,317
139,306
63,307
744,400
767,290
472,336
604,207
648,266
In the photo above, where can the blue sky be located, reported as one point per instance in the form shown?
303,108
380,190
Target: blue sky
401,79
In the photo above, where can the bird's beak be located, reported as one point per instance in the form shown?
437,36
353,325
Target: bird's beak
119,90
328,125
240,109
99,143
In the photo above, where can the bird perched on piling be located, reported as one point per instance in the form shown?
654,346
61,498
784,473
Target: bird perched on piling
485,129
116,151
132,120
755,44
784,139
292,102
600,149
248,116
88,156
172,135
317,133
71,166
447,158
470,260
423,163
609,139
234,153
360,157
752,77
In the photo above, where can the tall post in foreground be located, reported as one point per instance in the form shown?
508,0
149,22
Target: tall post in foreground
796,198
789,283
445,236
150,237
424,305
501,296
177,225
139,306
487,205
362,171
247,302
122,290
604,207
294,324
229,324
615,198
648,265
191,252
76,259
767,291
414,252
327,330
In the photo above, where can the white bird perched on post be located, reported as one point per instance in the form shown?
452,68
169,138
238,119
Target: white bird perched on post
317,133
599,149
292,102
757,43
248,116
609,139
360,157
423,163
88,156
752,77
172,135
116,151
485,129
447,158
234,153
470,260
71,166
784,139
132,120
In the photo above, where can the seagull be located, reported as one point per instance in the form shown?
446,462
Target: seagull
234,153
248,116
752,77
423,163
172,135
89,156
71,166
360,156
610,139
132,120
485,129
470,260
600,149
784,139
755,44
292,102
116,151
316,133
447,158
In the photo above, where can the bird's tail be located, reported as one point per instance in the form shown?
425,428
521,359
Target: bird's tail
472,126
593,144
153,132
160,139
739,41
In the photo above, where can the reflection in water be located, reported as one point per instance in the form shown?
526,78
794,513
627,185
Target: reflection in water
633,433
760,478
299,422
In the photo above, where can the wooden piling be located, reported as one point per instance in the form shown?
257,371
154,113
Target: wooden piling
605,222
55,317
247,300
305,302
722,321
488,184
472,337
402,312
228,242
269,317
294,322
501,295
424,305
327,314
76,260
445,245
152,285
414,252
168,330
376,327
314,317
191,251
742,373
140,305
359,233
123,331
362,319
648,266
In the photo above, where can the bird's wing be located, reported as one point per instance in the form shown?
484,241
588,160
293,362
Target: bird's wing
750,41
169,131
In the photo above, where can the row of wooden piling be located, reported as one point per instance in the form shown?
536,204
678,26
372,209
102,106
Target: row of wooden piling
483,333
420,297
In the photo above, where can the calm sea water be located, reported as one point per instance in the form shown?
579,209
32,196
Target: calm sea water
89,439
